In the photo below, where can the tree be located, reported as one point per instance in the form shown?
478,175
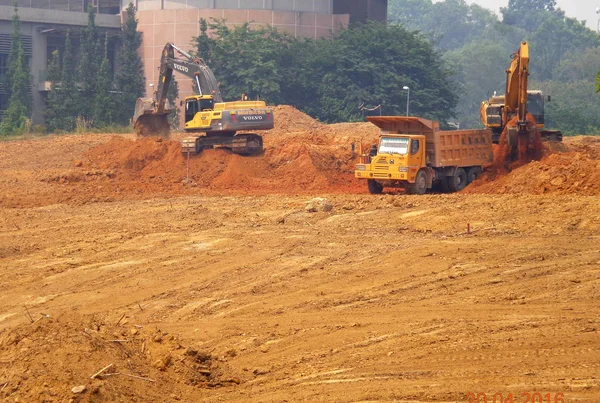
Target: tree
16,113
203,43
370,64
18,84
411,13
172,96
480,71
581,64
450,24
54,101
454,23
528,14
574,108
89,61
555,39
104,107
63,99
129,80
248,61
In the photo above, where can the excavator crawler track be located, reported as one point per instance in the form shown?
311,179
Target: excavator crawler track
243,144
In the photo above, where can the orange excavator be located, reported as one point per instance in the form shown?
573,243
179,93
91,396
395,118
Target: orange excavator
517,117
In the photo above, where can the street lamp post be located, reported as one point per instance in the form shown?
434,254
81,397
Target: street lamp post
407,98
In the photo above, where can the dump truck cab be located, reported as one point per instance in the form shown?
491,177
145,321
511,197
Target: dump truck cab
399,157
414,154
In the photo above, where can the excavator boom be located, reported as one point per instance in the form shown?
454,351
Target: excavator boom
151,114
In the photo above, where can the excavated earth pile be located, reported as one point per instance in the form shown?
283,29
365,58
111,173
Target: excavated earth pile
569,168
301,155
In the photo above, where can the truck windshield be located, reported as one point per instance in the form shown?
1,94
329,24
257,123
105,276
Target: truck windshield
393,145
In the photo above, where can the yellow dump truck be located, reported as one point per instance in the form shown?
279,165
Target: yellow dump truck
414,154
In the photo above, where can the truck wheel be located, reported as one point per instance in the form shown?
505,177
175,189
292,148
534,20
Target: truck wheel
374,187
472,174
457,182
420,185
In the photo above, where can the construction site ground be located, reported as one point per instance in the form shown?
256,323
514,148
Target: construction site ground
227,288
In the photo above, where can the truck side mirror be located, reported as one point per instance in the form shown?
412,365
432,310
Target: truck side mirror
180,103
549,98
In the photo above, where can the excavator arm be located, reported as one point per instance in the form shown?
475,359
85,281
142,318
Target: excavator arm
150,117
515,98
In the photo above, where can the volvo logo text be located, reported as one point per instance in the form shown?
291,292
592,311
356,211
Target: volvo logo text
181,68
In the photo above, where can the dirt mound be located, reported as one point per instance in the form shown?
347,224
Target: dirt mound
507,158
301,155
137,361
289,119
566,173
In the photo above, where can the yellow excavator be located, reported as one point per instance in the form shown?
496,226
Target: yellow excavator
518,101
213,122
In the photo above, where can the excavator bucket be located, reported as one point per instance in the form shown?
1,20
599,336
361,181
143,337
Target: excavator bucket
147,121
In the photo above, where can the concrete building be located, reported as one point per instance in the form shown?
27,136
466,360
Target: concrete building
42,32
45,22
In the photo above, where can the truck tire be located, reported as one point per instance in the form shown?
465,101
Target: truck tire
472,174
420,185
457,182
374,187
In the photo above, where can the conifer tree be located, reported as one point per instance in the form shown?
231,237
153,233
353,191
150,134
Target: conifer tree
15,39
203,46
17,84
69,86
129,80
54,104
203,42
104,106
62,105
89,61
172,95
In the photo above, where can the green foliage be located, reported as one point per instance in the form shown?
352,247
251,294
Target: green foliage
564,54
330,78
203,43
54,72
527,14
104,105
16,115
450,23
15,42
370,64
129,79
18,85
172,96
62,105
574,108
555,39
479,69
247,60
89,61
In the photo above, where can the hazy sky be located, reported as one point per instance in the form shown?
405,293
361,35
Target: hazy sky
580,9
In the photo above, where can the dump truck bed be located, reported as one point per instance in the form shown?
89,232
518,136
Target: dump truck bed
460,148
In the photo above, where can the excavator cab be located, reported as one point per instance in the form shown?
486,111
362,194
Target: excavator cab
198,103
535,106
